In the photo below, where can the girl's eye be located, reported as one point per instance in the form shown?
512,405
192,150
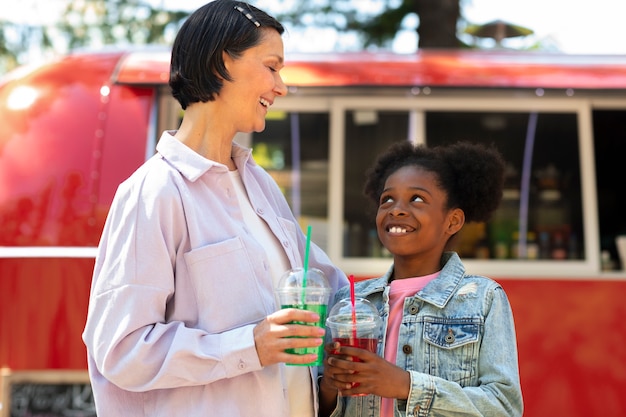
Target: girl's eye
417,198
385,199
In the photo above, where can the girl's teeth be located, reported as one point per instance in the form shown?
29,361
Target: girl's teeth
396,229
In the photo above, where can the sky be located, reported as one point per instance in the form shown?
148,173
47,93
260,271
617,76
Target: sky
568,26
586,27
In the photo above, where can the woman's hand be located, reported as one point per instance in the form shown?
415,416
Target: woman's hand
355,371
276,333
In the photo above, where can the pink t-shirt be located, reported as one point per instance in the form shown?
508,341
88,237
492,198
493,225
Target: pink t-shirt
398,291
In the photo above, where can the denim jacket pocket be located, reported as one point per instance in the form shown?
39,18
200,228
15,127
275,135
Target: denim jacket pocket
451,333
453,346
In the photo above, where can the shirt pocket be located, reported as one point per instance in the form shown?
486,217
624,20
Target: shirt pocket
225,286
452,347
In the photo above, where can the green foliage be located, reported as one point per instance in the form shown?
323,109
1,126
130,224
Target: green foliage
5,49
13,40
376,22
114,22
97,23
380,29
90,23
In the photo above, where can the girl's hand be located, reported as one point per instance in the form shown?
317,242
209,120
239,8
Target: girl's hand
327,385
355,371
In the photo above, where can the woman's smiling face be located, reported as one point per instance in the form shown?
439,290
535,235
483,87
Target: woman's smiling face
256,82
412,219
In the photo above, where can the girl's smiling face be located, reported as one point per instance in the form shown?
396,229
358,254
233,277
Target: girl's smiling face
413,222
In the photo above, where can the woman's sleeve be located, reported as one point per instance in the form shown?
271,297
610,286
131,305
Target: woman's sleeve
128,335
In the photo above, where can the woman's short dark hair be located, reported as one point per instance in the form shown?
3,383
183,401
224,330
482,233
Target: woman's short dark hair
197,66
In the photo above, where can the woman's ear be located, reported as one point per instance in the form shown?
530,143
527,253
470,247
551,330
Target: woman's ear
227,60
456,220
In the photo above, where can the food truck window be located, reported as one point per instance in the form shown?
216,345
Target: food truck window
293,148
367,134
541,213
609,131
540,216
168,116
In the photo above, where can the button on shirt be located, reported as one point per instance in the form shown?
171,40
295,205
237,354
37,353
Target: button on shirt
179,285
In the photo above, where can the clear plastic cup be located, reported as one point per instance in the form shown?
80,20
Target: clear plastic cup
313,295
362,330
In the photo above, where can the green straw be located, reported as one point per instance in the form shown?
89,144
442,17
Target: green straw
306,262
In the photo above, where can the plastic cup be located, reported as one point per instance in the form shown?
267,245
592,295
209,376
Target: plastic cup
313,295
361,330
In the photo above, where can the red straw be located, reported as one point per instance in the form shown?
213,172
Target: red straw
352,300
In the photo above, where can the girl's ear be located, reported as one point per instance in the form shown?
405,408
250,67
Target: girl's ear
456,220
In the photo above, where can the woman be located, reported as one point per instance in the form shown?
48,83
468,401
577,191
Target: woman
449,345
182,317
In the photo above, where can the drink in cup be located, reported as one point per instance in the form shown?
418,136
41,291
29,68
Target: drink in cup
310,292
361,329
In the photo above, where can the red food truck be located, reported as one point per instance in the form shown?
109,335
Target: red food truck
71,130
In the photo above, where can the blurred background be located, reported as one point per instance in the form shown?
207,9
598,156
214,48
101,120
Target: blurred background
545,80
32,31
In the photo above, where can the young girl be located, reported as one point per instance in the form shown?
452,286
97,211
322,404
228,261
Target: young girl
449,344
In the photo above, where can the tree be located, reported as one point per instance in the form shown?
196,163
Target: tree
107,22
8,57
17,38
90,23
377,26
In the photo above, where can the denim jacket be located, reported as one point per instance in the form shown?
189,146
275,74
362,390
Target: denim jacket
457,340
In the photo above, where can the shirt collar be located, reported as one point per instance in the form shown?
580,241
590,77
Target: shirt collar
191,164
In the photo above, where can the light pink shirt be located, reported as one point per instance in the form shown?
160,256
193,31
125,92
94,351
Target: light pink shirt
399,290
178,286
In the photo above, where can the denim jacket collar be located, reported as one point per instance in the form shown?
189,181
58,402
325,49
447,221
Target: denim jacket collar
438,292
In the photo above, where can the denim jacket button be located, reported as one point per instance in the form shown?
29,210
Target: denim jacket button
450,336
407,349
413,309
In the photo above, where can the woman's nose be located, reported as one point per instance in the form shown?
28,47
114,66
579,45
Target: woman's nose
280,88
